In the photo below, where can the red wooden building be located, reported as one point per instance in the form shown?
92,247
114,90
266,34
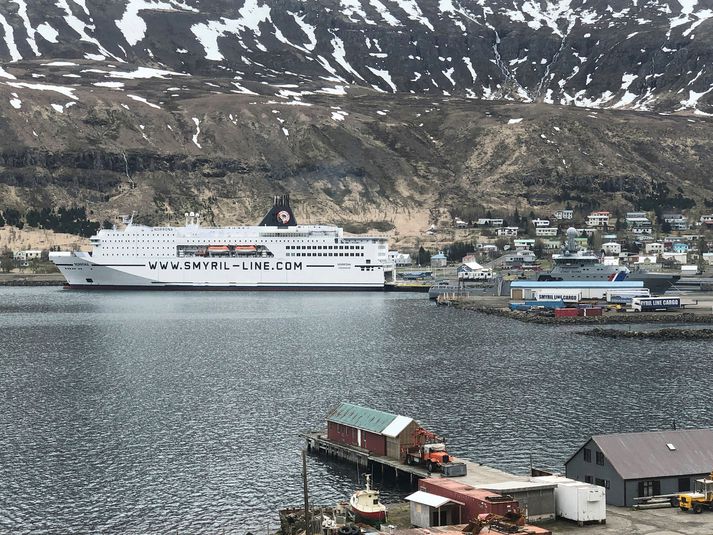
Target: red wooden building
475,501
380,433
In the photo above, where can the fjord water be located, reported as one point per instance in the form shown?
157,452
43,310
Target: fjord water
155,412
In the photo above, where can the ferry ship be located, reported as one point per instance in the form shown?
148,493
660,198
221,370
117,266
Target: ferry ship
276,254
575,264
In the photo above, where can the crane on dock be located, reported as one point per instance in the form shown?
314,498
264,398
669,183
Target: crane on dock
428,449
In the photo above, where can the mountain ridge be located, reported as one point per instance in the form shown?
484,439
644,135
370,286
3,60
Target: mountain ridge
170,105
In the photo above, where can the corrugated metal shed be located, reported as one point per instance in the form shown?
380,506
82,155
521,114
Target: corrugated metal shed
648,455
577,284
361,417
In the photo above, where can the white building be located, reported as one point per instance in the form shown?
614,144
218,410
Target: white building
523,243
654,248
507,231
598,219
26,256
474,271
520,258
489,222
611,248
460,223
546,231
641,230
707,219
646,259
564,215
680,258
635,215
677,221
541,222
400,259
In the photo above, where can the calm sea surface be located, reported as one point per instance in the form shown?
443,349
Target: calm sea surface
156,412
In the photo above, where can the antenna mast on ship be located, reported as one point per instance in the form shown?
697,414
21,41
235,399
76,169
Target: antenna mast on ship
128,220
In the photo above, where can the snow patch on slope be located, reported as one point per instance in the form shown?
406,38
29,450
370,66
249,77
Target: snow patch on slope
133,26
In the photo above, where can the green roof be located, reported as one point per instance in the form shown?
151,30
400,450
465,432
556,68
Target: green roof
361,417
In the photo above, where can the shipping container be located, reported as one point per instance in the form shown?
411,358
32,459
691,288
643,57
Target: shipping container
475,501
592,311
574,500
566,313
551,304
649,304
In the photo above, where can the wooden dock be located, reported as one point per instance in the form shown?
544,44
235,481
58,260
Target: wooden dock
477,474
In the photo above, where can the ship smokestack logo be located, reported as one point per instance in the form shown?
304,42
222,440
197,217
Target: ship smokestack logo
283,216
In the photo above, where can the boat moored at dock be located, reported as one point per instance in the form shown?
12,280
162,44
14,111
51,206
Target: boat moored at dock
277,254
365,504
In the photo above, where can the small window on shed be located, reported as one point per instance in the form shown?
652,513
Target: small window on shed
587,455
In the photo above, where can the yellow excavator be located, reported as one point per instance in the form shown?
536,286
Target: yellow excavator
700,498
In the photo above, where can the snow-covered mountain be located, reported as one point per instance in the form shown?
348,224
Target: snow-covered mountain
635,54
376,113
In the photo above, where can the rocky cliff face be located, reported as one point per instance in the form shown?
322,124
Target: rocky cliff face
369,111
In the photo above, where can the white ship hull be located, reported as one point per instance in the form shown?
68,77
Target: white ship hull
82,271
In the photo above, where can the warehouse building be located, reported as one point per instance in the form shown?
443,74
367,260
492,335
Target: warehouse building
634,465
380,433
473,501
528,290
536,498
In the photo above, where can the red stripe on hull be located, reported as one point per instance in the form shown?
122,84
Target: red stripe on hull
379,516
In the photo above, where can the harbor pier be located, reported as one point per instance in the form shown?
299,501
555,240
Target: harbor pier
476,474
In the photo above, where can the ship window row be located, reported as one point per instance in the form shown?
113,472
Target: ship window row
329,247
324,254
283,235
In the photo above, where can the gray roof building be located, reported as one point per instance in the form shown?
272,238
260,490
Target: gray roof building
633,465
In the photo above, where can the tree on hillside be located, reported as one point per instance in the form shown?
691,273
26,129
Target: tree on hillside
424,257
6,261
702,248
13,218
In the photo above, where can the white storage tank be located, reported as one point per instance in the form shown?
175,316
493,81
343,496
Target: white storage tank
574,500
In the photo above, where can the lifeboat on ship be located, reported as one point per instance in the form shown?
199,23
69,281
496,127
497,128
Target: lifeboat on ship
245,249
365,504
218,249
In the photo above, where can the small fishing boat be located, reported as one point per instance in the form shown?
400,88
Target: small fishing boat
365,504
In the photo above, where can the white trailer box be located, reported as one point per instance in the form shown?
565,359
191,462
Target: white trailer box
555,294
574,500
618,296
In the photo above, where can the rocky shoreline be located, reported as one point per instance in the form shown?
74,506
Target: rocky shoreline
660,334
607,319
25,279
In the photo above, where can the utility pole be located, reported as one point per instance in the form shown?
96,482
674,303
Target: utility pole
308,516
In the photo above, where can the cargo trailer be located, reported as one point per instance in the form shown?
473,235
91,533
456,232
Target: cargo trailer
574,500
651,304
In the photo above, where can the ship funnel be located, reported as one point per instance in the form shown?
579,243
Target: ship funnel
280,215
